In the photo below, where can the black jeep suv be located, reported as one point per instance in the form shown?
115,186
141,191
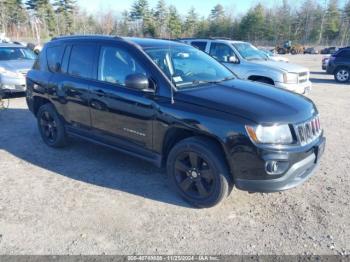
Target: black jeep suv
175,106
339,65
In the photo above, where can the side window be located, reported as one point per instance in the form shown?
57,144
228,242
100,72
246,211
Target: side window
346,54
54,57
221,52
65,60
82,60
200,45
115,64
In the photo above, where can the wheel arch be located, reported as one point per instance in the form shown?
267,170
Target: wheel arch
256,78
39,101
177,134
342,66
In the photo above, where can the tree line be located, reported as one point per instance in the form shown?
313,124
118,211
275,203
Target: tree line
323,22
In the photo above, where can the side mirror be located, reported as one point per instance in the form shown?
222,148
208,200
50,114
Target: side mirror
233,59
138,82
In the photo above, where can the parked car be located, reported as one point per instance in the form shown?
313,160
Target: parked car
248,63
325,60
339,65
15,62
274,57
177,107
329,50
311,51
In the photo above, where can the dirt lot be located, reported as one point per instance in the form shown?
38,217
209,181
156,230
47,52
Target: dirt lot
86,199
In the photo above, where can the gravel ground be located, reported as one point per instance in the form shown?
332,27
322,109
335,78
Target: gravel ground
86,199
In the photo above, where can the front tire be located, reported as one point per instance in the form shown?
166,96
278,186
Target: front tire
198,172
342,75
51,126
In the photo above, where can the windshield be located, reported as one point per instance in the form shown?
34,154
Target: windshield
266,52
249,52
187,66
16,53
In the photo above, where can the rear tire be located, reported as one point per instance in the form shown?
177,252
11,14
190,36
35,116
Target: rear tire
198,172
51,126
342,75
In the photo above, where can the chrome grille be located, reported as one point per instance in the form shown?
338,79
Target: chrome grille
23,72
308,131
303,77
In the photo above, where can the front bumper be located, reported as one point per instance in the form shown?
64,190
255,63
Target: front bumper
10,84
298,172
301,88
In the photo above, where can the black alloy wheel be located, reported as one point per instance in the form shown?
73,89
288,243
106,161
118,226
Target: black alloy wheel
48,126
198,171
194,176
51,126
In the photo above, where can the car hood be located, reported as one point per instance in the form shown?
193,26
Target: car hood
250,100
287,67
277,58
17,65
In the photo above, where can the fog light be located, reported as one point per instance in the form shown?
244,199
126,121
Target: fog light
274,167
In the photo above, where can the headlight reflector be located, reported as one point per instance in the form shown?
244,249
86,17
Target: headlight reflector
275,134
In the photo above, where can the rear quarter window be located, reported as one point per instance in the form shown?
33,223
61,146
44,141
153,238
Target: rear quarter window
54,57
200,45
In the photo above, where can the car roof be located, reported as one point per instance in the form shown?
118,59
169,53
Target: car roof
224,40
141,42
10,45
153,43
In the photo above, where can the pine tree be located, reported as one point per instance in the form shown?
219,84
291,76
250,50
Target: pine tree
139,10
65,14
332,21
191,21
161,16
217,13
140,15
174,23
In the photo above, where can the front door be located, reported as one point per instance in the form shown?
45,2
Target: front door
119,113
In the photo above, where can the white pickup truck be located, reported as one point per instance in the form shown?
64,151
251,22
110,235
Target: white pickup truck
248,63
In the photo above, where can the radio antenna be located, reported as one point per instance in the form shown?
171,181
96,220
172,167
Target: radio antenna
171,80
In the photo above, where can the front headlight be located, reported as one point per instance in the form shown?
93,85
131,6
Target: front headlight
276,134
7,73
290,78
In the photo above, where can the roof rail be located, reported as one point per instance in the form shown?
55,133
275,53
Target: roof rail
204,38
84,37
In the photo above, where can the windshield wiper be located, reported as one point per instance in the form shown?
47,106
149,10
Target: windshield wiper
201,82
219,81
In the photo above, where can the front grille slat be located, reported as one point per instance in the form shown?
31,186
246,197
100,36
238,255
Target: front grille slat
303,77
308,131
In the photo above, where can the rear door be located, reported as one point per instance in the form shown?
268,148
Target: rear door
73,83
343,58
